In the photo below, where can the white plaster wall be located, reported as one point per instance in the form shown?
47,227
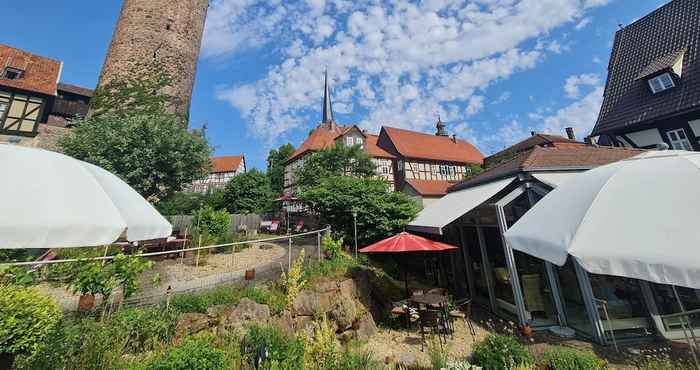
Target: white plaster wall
695,125
646,137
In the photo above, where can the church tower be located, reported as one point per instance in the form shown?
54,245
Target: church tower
162,35
441,129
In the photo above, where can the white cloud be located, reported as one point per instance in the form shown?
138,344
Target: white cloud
573,84
581,114
398,61
504,97
582,23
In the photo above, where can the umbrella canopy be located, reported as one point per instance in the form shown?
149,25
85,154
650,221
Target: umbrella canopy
52,200
285,198
405,242
636,218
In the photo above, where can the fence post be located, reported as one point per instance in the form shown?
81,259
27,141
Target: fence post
290,254
318,243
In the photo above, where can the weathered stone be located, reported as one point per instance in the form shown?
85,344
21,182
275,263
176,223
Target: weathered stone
348,288
344,312
345,336
309,303
246,311
365,328
304,323
190,323
326,286
285,323
406,359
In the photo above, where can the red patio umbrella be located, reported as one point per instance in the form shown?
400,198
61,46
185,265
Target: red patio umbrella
406,243
284,198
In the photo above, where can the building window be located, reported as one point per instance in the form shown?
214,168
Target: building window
679,140
11,73
358,141
349,141
661,83
385,170
3,108
399,165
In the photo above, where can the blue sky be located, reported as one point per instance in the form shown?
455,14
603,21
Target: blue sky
493,69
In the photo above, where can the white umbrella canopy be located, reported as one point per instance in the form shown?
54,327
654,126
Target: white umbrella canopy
637,218
50,200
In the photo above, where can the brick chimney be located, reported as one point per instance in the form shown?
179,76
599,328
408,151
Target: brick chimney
570,133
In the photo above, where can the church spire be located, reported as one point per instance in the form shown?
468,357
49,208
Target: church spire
441,129
327,105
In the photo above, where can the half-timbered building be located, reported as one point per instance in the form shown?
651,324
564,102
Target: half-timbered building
28,85
652,94
418,164
223,169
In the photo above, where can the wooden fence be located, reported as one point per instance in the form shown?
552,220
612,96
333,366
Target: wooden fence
250,220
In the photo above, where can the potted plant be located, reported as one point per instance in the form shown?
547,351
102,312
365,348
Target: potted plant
250,274
90,279
26,319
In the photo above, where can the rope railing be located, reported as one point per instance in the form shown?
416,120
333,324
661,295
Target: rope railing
183,250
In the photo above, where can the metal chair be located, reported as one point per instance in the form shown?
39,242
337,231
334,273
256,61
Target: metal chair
431,323
463,311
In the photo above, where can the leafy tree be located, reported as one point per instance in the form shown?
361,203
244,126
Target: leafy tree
339,160
126,271
215,223
380,212
187,203
151,152
249,193
26,319
275,167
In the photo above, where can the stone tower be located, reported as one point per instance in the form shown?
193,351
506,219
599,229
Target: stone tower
161,34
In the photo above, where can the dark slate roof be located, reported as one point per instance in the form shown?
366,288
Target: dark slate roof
661,63
656,37
73,89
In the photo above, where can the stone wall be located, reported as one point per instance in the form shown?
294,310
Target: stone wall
46,139
162,34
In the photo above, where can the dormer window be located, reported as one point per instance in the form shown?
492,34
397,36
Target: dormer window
10,73
661,82
349,141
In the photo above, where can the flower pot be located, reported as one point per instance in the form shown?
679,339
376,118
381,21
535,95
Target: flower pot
86,302
250,274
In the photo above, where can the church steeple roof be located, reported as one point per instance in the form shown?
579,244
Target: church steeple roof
441,128
327,104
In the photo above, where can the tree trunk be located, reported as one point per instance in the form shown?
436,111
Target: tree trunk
6,361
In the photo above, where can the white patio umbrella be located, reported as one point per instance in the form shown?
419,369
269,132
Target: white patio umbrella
51,200
638,218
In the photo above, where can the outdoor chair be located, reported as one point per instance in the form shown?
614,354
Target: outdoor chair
274,226
432,323
463,309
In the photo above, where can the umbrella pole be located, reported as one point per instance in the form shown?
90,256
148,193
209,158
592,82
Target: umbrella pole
405,283
691,346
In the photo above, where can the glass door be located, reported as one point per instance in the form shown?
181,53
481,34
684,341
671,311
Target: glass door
477,267
502,285
667,304
627,312
574,305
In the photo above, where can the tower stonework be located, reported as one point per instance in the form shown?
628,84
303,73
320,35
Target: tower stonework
161,35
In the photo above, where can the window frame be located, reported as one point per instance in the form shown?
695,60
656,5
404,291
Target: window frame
661,81
18,73
683,143
349,141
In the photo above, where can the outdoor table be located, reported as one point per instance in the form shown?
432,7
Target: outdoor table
431,299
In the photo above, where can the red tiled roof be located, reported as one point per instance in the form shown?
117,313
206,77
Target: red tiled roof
373,149
412,144
555,158
40,74
227,163
320,138
429,187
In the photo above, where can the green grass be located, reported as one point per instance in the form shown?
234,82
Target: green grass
229,295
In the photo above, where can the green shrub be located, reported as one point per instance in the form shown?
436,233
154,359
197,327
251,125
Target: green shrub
500,352
438,356
215,223
460,365
228,295
143,329
26,319
562,358
358,361
319,349
193,353
283,352
332,247
666,365
339,266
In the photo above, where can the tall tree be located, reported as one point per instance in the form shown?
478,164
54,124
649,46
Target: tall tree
152,153
339,160
275,167
380,211
249,193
